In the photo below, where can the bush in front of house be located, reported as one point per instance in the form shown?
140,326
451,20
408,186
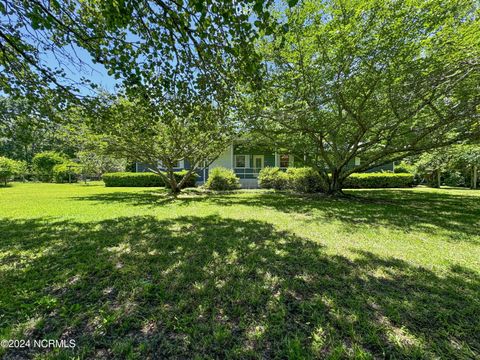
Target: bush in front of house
272,178
10,168
221,178
378,180
128,179
191,181
304,180
67,171
404,168
44,162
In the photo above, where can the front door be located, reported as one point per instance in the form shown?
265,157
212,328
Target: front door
258,162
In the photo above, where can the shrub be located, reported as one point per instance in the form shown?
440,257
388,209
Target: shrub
222,179
305,180
122,179
67,171
378,180
454,178
10,168
273,178
44,162
191,181
404,168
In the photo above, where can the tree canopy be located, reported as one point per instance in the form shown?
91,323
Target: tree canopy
160,45
370,79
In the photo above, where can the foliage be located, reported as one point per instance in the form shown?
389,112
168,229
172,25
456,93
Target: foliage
68,171
404,168
454,178
10,168
455,164
120,179
304,180
94,163
164,134
44,162
188,44
313,276
189,176
220,178
346,81
273,178
379,180
25,129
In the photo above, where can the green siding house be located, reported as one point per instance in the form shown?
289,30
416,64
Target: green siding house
247,161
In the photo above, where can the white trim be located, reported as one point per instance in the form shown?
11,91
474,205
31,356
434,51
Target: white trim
262,157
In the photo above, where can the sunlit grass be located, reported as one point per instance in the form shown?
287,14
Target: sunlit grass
131,272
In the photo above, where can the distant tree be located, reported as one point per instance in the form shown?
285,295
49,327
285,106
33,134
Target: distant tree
26,129
371,79
466,158
44,162
10,168
95,163
431,165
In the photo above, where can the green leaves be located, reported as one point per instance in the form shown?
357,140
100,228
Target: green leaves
369,79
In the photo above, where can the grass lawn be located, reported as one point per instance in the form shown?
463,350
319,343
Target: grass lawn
130,273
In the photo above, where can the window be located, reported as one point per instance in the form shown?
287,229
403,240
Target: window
177,164
240,161
284,160
357,161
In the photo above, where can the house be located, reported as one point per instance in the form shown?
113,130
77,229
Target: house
247,161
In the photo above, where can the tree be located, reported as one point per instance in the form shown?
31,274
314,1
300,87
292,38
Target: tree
161,135
138,41
95,163
431,165
370,79
466,158
44,162
9,168
26,129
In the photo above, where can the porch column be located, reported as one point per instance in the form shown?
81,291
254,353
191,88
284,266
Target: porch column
276,159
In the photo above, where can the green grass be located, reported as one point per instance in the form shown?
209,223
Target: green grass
131,273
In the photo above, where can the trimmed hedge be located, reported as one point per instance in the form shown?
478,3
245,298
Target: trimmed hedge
144,179
307,180
121,179
273,178
222,179
378,180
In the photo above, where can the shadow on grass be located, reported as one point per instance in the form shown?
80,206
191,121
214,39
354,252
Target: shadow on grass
141,287
406,210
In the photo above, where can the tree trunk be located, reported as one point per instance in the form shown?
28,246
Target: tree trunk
474,177
439,182
336,184
174,188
